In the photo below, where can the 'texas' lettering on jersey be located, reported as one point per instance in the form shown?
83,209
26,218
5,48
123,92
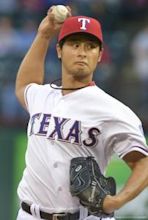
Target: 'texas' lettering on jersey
62,129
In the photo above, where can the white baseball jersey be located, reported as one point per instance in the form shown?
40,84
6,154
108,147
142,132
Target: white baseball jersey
85,122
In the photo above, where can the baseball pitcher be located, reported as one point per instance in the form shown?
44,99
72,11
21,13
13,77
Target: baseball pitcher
74,129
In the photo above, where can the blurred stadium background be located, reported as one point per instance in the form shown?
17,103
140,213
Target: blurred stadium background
123,73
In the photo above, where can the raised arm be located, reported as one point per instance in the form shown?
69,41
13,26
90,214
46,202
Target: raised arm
31,69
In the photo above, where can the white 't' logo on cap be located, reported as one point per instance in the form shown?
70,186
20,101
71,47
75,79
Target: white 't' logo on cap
84,22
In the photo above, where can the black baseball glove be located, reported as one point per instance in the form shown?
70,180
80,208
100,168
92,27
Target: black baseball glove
89,185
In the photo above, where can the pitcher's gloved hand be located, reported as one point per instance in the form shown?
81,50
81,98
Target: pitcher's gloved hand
90,185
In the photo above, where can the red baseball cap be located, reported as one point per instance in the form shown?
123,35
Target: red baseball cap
81,24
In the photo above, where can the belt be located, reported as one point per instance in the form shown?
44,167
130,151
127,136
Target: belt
55,216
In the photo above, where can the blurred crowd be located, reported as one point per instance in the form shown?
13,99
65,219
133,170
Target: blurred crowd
123,72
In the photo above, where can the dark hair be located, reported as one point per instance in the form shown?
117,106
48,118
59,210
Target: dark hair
61,43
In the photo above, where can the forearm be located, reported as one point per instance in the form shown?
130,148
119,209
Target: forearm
32,66
135,184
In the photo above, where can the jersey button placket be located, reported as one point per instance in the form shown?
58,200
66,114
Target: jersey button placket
59,188
55,165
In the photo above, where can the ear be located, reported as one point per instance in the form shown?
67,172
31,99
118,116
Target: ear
58,51
100,55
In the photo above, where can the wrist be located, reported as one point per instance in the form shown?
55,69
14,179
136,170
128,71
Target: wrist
44,36
111,203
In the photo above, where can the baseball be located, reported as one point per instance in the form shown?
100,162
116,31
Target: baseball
60,13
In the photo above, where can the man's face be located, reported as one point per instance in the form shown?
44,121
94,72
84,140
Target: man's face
80,55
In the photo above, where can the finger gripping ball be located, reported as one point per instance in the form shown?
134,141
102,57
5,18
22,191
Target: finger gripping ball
60,13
